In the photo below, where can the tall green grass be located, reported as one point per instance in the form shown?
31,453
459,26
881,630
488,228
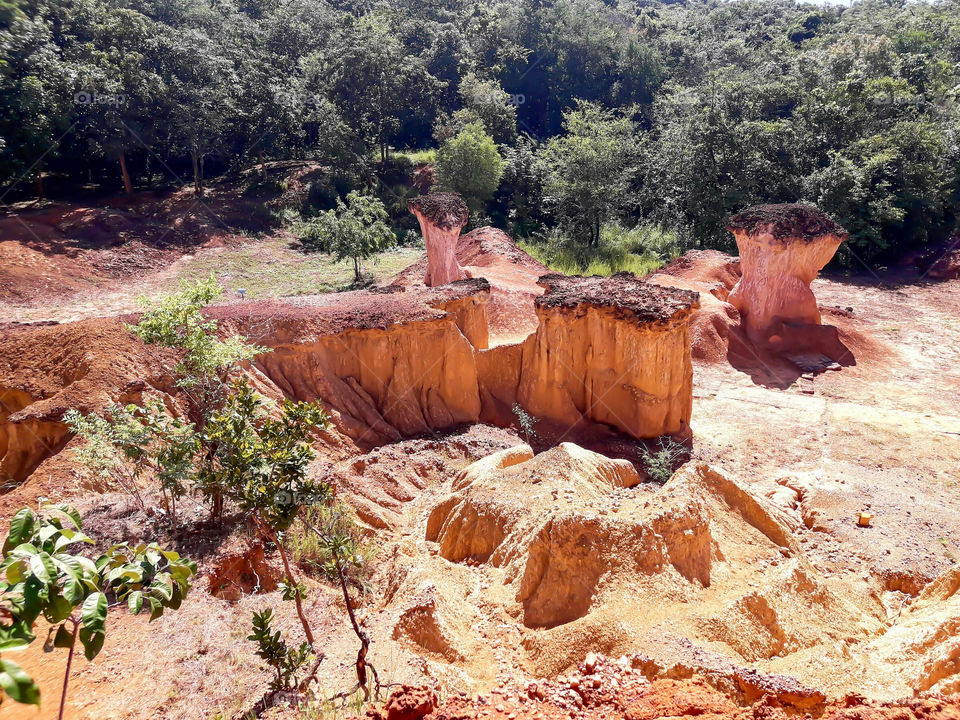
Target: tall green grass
640,250
425,156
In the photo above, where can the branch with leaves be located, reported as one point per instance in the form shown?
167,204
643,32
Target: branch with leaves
73,592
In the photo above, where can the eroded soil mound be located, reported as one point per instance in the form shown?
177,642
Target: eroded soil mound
46,370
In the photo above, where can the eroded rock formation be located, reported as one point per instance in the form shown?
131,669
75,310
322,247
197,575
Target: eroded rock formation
613,351
394,362
782,248
489,253
441,216
49,369
390,363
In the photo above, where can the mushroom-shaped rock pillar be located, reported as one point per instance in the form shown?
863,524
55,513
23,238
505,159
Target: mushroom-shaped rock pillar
441,216
782,248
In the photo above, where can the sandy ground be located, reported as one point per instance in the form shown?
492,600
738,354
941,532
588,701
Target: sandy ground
882,436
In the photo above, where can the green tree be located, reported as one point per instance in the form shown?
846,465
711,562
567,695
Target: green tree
591,168
131,440
470,164
74,593
373,79
484,101
356,229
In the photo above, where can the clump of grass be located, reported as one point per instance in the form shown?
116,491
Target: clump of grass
309,551
424,156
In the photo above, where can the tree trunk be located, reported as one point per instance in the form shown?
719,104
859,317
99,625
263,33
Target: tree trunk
272,535
356,269
197,182
263,170
127,185
39,185
361,663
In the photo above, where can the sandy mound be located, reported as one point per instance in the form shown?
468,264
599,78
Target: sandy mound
702,573
713,274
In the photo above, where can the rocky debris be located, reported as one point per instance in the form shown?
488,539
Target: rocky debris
623,292
786,223
628,688
441,216
782,248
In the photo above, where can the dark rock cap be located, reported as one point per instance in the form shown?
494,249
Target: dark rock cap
624,292
446,210
789,220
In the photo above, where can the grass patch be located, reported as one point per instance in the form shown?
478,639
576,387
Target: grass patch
640,250
270,268
425,156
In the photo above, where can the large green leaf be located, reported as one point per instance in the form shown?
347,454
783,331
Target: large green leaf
43,567
69,565
71,513
94,612
58,608
21,527
64,638
92,642
15,636
17,571
73,590
17,684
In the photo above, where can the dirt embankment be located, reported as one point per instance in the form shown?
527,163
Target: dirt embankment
741,588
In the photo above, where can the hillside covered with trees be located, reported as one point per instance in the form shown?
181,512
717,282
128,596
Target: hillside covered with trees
581,126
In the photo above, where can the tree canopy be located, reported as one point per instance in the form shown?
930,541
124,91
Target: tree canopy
853,108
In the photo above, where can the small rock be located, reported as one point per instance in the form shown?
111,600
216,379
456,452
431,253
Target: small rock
591,662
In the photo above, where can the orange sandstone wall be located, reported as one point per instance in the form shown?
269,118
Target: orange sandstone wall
590,364
384,384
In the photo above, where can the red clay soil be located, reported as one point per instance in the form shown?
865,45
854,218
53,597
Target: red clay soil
378,308
58,249
604,689
716,272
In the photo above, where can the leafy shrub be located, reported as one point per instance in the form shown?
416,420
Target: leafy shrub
660,465
72,592
285,661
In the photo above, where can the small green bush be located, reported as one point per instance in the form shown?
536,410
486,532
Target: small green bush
661,464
